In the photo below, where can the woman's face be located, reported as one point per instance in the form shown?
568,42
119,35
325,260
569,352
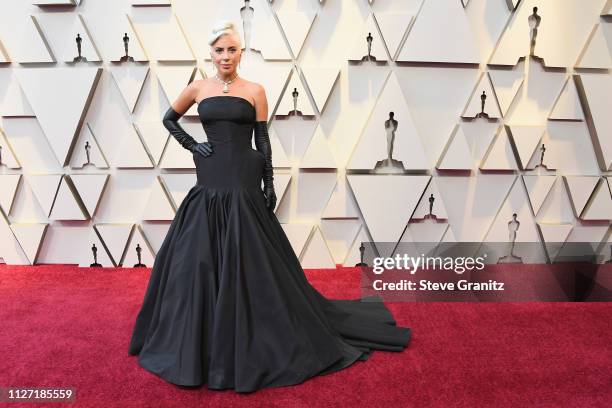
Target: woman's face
225,53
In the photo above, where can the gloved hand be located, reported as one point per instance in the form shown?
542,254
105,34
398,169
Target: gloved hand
262,144
170,122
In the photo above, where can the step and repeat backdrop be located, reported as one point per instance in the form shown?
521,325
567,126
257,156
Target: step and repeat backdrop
390,121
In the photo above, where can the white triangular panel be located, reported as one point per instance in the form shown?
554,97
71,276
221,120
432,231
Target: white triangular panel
339,234
387,222
27,43
281,182
178,185
473,107
173,81
372,145
44,187
266,35
154,136
10,249
147,256
354,256
8,190
65,206
297,234
458,155
285,106
115,237
13,101
526,140
155,233
78,158
423,231
568,106
515,203
319,154
438,208
475,201
554,233
316,255
30,237
597,90
109,32
340,204
479,135
90,187
538,188
86,257
600,205
596,53
320,81
158,207
506,84
393,26
59,121
500,156
296,26
62,28
129,79
441,33
580,189
359,43
132,152
161,34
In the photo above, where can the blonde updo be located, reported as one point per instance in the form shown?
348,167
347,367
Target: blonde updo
223,27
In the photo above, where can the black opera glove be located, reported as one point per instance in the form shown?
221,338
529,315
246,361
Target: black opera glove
170,122
262,143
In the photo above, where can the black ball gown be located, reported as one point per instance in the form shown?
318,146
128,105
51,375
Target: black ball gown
227,303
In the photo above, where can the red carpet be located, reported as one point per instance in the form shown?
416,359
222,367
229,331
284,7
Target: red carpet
63,326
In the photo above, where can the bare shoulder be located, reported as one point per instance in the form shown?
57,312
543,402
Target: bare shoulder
258,91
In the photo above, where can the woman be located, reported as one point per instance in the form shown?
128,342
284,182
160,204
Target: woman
228,304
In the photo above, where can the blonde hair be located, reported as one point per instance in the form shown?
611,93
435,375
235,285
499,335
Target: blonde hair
223,27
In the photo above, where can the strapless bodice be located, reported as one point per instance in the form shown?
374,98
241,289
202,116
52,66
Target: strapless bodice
228,122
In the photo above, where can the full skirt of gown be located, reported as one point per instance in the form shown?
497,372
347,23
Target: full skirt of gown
228,304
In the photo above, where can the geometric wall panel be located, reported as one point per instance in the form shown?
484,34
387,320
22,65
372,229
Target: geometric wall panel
178,185
441,33
457,155
393,27
302,102
340,204
298,235
476,200
526,140
594,91
386,223
359,43
7,156
87,145
320,81
317,254
138,243
596,53
266,36
373,144
506,84
109,32
12,100
319,154
580,189
44,187
339,234
161,34
132,152
158,206
61,30
23,38
599,206
475,105
86,254
129,80
567,106
89,187
295,26
8,191
479,134
60,99
561,34
30,237
115,237
154,136
437,206
501,154
66,206
538,188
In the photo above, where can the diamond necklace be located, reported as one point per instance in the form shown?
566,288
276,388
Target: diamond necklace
225,84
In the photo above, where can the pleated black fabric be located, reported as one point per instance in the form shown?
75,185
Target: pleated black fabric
228,304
